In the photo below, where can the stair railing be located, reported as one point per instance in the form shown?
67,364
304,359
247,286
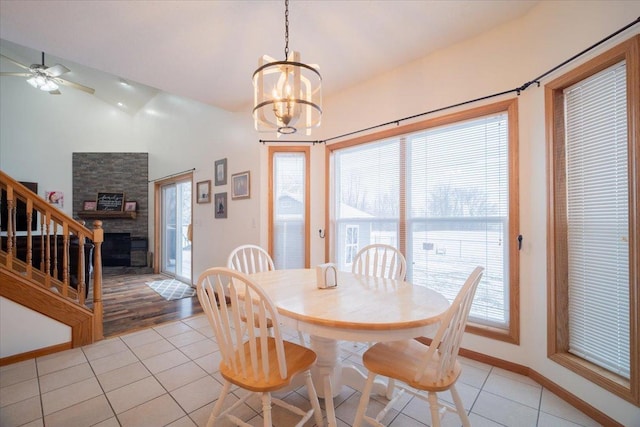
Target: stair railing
54,244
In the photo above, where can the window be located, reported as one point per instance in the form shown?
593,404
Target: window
444,192
351,244
593,258
289,206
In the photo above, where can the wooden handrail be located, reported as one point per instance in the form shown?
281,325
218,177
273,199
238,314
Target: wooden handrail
57,231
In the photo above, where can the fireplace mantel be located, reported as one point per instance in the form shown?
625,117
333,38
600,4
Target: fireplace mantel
106,214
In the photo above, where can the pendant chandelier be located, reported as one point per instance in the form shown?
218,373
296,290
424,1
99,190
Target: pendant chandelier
287,94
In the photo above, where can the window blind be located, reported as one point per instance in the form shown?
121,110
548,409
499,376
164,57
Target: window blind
456,202
458,212
366,194
289,204
597,219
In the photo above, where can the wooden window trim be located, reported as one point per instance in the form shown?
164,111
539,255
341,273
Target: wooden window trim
557,271
511,335
157,220
307,212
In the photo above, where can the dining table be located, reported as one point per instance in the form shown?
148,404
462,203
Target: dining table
361,308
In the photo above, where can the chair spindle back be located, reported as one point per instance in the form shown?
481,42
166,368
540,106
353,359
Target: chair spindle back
447,339
245,349
380,260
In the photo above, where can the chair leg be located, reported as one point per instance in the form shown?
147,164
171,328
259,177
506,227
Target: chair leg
313,398
391,386
364,400
462,413
328,399
218,406
435,409
301,339
266,409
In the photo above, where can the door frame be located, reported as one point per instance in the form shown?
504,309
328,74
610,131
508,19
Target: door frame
157,220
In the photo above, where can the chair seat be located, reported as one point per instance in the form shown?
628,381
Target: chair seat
298,359
402,359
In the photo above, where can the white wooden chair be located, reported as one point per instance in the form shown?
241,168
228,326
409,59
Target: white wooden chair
425,368
380,260
251,359
250,259
385,261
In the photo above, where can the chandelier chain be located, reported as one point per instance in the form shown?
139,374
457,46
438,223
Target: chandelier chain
286,29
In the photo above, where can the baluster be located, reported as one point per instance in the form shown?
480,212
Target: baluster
65,259
29,258
98,238
47,251
42,228
11,215
82,280
54,273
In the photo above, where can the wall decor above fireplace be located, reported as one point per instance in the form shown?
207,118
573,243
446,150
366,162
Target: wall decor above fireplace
109,201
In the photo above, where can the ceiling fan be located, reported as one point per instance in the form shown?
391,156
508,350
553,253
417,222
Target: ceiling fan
45,78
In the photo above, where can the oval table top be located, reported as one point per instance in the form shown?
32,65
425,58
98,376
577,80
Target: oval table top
358,303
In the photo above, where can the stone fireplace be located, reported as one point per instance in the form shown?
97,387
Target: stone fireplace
126,237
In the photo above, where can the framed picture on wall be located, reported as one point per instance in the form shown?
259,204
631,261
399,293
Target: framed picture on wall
89,205
221,171
240,184
220,200
203,189
130,206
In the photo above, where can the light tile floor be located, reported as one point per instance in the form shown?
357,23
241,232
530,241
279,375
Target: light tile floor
168,376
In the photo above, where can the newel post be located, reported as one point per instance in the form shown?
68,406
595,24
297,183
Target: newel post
98,238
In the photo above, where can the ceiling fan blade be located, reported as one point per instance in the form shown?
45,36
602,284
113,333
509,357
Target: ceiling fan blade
14,62
74,85
57,70
15,74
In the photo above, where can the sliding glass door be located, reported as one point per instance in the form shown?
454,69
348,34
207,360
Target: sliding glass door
175,247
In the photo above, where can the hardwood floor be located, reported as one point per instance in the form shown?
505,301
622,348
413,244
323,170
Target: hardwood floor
129,304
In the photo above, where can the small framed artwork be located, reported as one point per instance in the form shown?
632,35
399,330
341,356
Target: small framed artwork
130,206
220,200
221,171
89,205
55,198
204,191
240,186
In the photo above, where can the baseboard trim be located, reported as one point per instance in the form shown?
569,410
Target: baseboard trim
576,402
35,353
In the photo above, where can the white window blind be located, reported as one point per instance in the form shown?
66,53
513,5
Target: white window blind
597,219
458,212
456,201
366,197
289,204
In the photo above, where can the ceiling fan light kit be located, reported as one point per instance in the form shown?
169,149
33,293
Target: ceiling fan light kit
45,78
42,82
287,94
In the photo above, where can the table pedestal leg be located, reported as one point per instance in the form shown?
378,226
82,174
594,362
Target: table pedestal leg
327,365
326,373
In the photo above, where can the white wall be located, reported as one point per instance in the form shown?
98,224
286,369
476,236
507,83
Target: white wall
28,323
180,134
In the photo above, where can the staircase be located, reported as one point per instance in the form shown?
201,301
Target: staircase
50,270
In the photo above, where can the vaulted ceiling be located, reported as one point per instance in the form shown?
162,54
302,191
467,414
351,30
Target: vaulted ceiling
208,50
